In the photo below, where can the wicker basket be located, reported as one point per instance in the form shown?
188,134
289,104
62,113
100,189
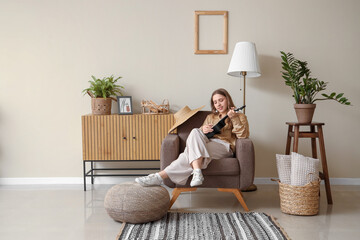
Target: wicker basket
101,106
300,200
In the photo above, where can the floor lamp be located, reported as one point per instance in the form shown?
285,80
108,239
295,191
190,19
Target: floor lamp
244,62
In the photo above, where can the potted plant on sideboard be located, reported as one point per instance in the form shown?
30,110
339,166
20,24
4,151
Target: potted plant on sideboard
305,88
101,92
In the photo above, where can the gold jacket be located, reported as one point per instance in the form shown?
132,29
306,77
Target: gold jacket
235,127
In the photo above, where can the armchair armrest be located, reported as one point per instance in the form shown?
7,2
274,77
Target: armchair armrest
246,156
169,150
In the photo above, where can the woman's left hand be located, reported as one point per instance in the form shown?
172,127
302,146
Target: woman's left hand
231,113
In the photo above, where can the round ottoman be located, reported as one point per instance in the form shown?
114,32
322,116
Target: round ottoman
132,203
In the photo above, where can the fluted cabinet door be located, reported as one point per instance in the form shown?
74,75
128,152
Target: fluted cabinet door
124,137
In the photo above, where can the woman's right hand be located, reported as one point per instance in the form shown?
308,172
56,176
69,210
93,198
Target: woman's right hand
207,128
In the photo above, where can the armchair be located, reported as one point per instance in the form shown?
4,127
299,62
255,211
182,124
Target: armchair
227,174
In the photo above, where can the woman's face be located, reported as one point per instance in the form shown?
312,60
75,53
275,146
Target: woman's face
220,103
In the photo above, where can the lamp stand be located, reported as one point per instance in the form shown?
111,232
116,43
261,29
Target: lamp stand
243,73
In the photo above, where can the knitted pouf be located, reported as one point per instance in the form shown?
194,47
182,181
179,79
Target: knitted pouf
132,203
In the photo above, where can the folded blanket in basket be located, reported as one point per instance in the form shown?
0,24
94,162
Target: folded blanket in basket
283,163
303,169
296,169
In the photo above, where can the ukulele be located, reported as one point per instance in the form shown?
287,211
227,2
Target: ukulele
217,128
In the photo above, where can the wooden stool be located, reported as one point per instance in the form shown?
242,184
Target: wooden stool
313,134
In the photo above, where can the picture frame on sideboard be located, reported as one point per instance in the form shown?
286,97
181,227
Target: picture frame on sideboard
125,105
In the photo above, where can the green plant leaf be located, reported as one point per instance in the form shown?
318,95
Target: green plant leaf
339,95
297,76
105,87
325,95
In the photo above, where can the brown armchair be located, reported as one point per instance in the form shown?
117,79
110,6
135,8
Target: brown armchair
227,174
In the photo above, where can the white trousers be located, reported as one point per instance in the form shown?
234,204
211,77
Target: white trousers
197,146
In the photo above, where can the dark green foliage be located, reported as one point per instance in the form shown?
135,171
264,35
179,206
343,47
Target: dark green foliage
104,88
297,76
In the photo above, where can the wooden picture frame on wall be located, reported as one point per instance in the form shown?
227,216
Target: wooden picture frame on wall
225,32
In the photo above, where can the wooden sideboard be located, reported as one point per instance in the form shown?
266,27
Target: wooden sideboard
116,137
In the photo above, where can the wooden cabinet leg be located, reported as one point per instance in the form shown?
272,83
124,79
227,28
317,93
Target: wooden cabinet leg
324,165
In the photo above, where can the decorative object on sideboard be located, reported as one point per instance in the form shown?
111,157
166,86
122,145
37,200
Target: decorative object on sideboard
305,88
244,62
150,107
224,49
125,105
101,92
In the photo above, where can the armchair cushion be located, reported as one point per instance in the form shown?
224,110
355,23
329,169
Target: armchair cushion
224,167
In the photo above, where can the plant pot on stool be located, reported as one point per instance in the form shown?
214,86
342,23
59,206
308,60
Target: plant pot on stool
305,88
304,112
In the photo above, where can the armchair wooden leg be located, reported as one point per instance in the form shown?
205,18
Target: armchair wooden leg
176,192
238,195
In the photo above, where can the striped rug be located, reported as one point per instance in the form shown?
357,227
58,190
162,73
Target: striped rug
206,226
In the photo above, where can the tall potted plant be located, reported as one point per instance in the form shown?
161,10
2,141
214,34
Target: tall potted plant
305,88
101,92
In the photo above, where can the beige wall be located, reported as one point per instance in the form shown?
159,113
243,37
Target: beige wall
49,50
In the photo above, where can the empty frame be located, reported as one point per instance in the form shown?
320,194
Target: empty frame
211,32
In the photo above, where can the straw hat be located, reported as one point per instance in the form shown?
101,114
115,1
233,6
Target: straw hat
183,115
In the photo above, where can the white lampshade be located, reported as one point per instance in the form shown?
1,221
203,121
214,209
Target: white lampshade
244,59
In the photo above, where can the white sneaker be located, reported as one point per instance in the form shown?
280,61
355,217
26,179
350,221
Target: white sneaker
150,180
197,178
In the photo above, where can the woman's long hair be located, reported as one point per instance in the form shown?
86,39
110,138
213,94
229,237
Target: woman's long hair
223,92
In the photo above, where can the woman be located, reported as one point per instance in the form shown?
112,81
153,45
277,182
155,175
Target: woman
199,149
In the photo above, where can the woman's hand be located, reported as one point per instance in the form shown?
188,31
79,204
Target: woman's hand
231,113
207,128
